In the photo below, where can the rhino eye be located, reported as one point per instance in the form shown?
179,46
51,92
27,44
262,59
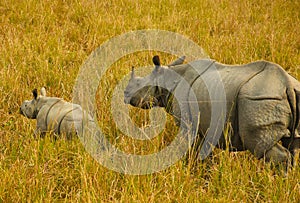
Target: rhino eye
138,83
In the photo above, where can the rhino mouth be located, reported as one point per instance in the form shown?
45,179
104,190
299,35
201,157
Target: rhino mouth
144,103
21,112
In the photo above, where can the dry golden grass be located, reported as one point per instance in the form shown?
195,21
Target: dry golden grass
44,43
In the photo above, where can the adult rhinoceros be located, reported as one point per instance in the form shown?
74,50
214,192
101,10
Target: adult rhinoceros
262,102
53,114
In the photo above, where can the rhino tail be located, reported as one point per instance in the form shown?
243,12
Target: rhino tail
293,97
297,116
297,108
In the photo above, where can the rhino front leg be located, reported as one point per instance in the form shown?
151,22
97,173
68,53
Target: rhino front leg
38,133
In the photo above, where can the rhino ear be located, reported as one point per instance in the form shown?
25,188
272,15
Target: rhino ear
34,92
178,61
43,91
156,60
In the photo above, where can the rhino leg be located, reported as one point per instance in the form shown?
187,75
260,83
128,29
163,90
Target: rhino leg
262,124
290,144
68,128
71,124
38,133
278,154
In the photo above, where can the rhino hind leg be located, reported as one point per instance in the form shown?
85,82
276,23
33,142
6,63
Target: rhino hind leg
293,145
262,124
278,154
290,143
281,157
264,144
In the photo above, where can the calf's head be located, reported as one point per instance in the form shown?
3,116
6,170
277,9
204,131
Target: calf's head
29,108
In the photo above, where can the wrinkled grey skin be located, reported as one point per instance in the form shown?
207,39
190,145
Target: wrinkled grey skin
53,114
263,103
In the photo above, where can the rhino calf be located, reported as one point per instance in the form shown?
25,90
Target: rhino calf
262,102
53,114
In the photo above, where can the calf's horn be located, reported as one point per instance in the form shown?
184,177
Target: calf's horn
132,72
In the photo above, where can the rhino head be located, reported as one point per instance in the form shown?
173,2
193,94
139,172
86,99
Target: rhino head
154,89
30,108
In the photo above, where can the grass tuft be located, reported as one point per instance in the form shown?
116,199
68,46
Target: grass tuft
44,43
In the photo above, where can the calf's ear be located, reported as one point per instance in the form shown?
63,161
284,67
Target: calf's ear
43,91
178,61
34,92
156,60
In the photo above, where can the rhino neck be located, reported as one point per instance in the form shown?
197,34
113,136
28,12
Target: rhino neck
42,101
164,91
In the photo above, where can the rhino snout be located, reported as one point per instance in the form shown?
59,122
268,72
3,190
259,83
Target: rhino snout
127,100
20,111
127,97
23,112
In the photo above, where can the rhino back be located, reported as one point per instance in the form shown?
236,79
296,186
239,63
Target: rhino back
208,80
269,84
57,116
72,121
295,83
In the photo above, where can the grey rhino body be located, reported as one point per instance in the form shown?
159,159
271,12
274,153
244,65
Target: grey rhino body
262,102
53,114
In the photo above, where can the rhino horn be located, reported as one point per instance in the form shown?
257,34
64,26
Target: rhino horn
34,92
132,72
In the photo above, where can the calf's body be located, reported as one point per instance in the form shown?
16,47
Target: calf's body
53,114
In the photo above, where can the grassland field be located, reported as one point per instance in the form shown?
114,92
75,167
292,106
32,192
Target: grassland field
44,43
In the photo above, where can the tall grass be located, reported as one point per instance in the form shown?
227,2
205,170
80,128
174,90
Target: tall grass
44,43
